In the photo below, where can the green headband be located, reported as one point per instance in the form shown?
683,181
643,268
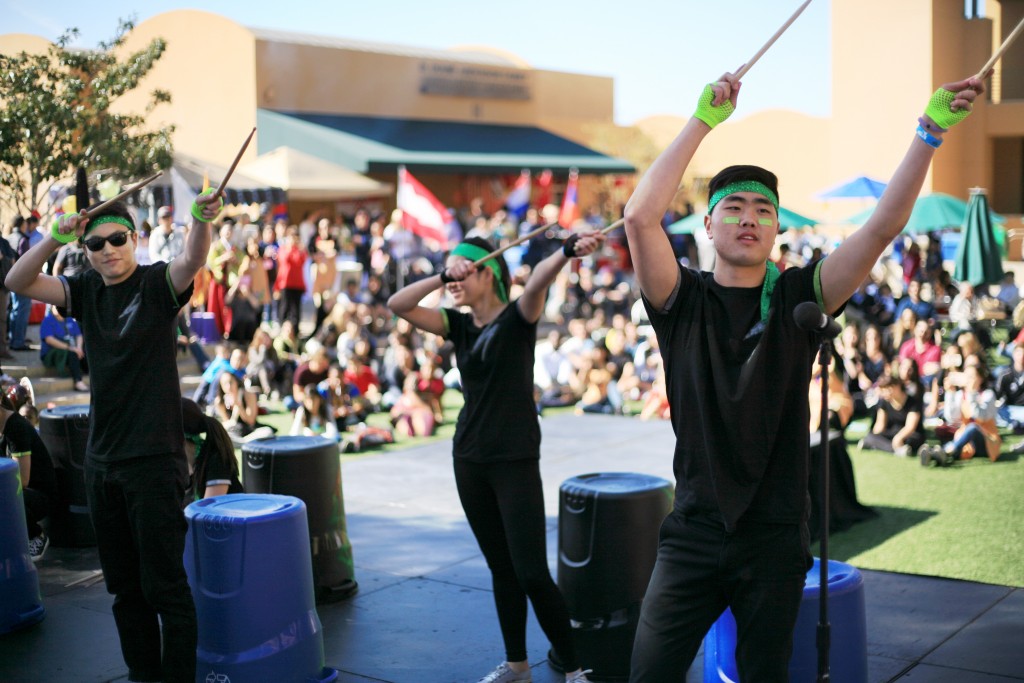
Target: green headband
108,218
743,186
475,253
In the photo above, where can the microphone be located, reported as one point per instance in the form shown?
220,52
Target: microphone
810,318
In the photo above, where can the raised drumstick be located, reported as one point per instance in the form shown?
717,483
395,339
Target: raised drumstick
231,169
514,243
99,207
771,41
1002,48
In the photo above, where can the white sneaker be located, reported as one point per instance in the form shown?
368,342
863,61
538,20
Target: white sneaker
37,546
579,676
503,674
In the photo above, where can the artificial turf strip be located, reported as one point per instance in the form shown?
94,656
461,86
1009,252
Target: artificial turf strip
960,522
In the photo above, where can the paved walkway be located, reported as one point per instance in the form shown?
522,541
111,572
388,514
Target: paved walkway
424,611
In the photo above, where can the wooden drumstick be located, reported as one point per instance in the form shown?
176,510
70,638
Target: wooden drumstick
1002,48
514,243
231,169
771,41
99,207
608,229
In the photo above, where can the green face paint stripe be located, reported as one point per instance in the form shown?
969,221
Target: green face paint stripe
766,221
731,219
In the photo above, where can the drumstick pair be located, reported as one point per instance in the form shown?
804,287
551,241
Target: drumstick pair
96,210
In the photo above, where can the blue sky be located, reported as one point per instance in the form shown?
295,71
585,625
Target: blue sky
660,52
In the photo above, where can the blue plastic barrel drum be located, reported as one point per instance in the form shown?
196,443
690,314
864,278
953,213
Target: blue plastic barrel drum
21,604
248,563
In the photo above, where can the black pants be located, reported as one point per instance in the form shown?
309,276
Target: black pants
290,306
504,503
881,442
140,534
37,507
758,571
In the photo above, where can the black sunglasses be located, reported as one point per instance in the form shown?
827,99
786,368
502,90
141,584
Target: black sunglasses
117,239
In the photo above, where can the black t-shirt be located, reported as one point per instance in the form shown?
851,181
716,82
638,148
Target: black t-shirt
19,437
130,333
738,390
498,421
211,469
896,418
1011,387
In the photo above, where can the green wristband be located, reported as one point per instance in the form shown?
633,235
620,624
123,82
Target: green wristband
938,109
63,238
197,211
709,114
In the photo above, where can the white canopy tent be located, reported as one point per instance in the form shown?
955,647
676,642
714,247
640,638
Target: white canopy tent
306,177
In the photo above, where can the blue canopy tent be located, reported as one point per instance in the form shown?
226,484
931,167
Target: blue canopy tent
859,187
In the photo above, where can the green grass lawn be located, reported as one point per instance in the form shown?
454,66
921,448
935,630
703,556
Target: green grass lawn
960,522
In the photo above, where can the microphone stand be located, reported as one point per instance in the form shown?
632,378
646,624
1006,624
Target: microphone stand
823,638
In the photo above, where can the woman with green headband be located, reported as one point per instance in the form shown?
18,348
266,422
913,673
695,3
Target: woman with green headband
496,446
737,370
135,466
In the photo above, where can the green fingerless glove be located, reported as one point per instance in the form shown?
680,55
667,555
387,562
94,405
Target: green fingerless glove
709,114
197,211
938,109
63,238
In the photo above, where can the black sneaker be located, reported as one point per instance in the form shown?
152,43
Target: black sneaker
37,546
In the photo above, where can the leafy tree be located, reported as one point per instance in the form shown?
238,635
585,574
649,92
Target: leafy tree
55,115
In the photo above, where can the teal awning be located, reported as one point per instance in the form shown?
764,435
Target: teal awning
380,145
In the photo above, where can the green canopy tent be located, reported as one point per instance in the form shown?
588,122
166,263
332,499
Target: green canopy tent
935,211
787,219
978,259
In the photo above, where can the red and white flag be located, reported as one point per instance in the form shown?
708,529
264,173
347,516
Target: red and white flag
570,211
422,213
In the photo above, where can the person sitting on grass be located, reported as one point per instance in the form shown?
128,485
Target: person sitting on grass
313,371
312,417
360,374
899,419
207,389
264,369
925,351
238,409
1010,392
61,346
430,385
411,415
971,408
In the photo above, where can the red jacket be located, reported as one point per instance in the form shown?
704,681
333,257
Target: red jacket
291,263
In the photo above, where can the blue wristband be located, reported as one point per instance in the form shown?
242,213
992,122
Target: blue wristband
928,138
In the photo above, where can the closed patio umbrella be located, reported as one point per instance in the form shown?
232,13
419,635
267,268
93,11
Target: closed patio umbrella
978,259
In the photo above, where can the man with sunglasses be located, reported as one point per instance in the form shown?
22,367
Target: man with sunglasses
136,471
